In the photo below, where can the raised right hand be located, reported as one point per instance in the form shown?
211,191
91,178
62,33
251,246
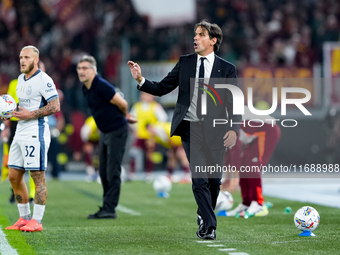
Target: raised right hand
136,71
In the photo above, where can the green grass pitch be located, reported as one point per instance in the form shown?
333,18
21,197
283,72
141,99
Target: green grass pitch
160,226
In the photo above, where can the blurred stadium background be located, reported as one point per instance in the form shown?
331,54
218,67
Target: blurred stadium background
263,38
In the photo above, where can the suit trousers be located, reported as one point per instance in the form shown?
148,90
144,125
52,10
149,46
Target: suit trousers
205,184
111,151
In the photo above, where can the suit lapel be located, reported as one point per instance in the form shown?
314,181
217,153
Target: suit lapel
216,71
192,73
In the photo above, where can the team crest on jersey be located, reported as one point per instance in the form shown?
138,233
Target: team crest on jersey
29,91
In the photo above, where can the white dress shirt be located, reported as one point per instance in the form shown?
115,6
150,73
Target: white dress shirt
208,65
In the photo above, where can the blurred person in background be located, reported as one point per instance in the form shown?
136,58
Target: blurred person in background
110,112
90,136
147,111
160,133
254,147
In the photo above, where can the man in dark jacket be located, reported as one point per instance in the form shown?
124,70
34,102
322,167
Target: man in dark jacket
204,144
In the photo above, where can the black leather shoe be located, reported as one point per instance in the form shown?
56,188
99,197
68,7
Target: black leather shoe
210,234
101,214
200,234
199,220
201,229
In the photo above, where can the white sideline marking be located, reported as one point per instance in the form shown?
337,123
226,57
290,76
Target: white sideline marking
215,245
124,209
206,241
5,247
227,249
238,253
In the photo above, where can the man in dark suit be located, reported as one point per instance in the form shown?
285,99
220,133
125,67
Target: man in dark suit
203,142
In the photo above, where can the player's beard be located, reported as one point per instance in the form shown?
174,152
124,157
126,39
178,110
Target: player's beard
29,68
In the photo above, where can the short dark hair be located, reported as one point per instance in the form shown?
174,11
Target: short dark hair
214,31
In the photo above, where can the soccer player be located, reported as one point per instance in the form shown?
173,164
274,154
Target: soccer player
38,98
7,136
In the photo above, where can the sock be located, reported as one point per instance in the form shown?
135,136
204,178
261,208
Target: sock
24,211
38,212
170,170
132,165
186,169
149,165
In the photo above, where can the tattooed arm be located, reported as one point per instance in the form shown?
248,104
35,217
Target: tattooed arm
52,107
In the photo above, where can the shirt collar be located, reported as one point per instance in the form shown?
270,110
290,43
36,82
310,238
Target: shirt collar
93,84
32,75
95,81
210,57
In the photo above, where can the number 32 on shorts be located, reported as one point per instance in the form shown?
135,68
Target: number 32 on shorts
31,153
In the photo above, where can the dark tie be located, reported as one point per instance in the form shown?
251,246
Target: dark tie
200,87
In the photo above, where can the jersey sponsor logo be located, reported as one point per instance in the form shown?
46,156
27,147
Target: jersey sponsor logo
29,91
24,102
49,90
49,85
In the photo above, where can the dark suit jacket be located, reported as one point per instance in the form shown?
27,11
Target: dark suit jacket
183,75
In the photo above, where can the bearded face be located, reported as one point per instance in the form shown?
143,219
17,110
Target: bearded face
28,62
27,68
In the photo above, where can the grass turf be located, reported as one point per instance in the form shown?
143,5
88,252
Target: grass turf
164,226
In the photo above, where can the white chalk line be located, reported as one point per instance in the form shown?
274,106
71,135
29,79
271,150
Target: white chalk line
5,247
227,249
124,209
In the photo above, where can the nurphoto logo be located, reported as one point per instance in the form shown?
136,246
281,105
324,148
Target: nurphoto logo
238,103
